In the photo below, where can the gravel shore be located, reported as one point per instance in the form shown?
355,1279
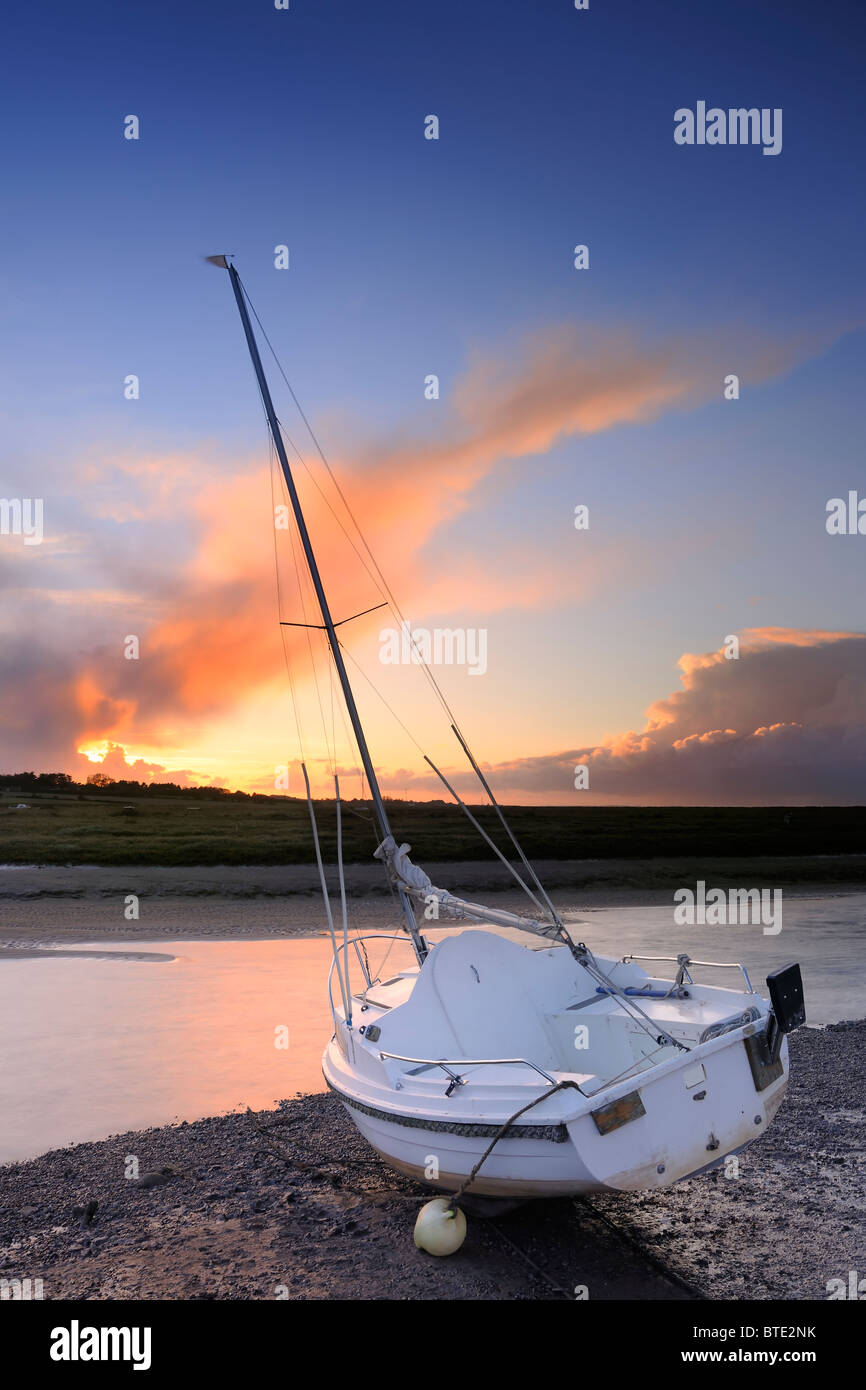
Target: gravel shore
291,1203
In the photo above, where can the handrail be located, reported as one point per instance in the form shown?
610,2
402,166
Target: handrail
710,964
446,1062
353,941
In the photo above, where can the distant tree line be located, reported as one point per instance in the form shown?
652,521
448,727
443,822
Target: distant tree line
124,786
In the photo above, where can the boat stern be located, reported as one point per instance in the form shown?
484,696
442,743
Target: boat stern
679,1120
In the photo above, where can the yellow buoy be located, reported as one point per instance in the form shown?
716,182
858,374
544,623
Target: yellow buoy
440,1228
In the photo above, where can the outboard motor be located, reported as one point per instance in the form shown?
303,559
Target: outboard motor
787,1013
789,1007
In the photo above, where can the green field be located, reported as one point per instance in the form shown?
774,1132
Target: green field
175,830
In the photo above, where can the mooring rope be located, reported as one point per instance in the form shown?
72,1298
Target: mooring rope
560,1086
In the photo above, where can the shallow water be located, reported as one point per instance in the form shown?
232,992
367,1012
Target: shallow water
98,1039
826,935
98,1044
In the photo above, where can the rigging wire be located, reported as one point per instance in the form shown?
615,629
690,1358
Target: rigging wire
483,833
300,575
378,578
288,664
513,838
377,691
384,588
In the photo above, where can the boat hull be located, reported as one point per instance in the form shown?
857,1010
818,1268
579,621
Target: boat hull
683,1130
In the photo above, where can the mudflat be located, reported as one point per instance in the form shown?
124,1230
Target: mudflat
292,1203
58,904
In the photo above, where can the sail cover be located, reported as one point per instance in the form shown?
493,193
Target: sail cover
418,884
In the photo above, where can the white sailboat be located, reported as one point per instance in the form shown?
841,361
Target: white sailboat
507,1060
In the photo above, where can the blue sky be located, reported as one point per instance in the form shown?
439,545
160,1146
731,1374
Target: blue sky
409,256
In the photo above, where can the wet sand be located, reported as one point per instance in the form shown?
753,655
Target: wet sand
51,905
291,1203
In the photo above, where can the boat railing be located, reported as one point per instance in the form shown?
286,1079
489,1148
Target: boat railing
684,962
362,960
446,1063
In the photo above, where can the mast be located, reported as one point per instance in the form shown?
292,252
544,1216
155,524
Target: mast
327,620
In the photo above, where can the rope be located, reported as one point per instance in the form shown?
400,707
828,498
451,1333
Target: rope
560,1086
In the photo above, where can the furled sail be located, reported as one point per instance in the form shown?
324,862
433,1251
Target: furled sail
418,884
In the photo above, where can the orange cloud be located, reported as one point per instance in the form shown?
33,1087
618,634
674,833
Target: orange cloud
785,723
204,604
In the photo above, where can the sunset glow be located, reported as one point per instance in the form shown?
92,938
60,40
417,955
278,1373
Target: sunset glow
556,389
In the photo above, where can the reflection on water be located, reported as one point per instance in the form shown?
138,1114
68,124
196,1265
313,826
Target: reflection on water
96,1046
98,1040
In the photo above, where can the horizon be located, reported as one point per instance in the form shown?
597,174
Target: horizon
100,786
